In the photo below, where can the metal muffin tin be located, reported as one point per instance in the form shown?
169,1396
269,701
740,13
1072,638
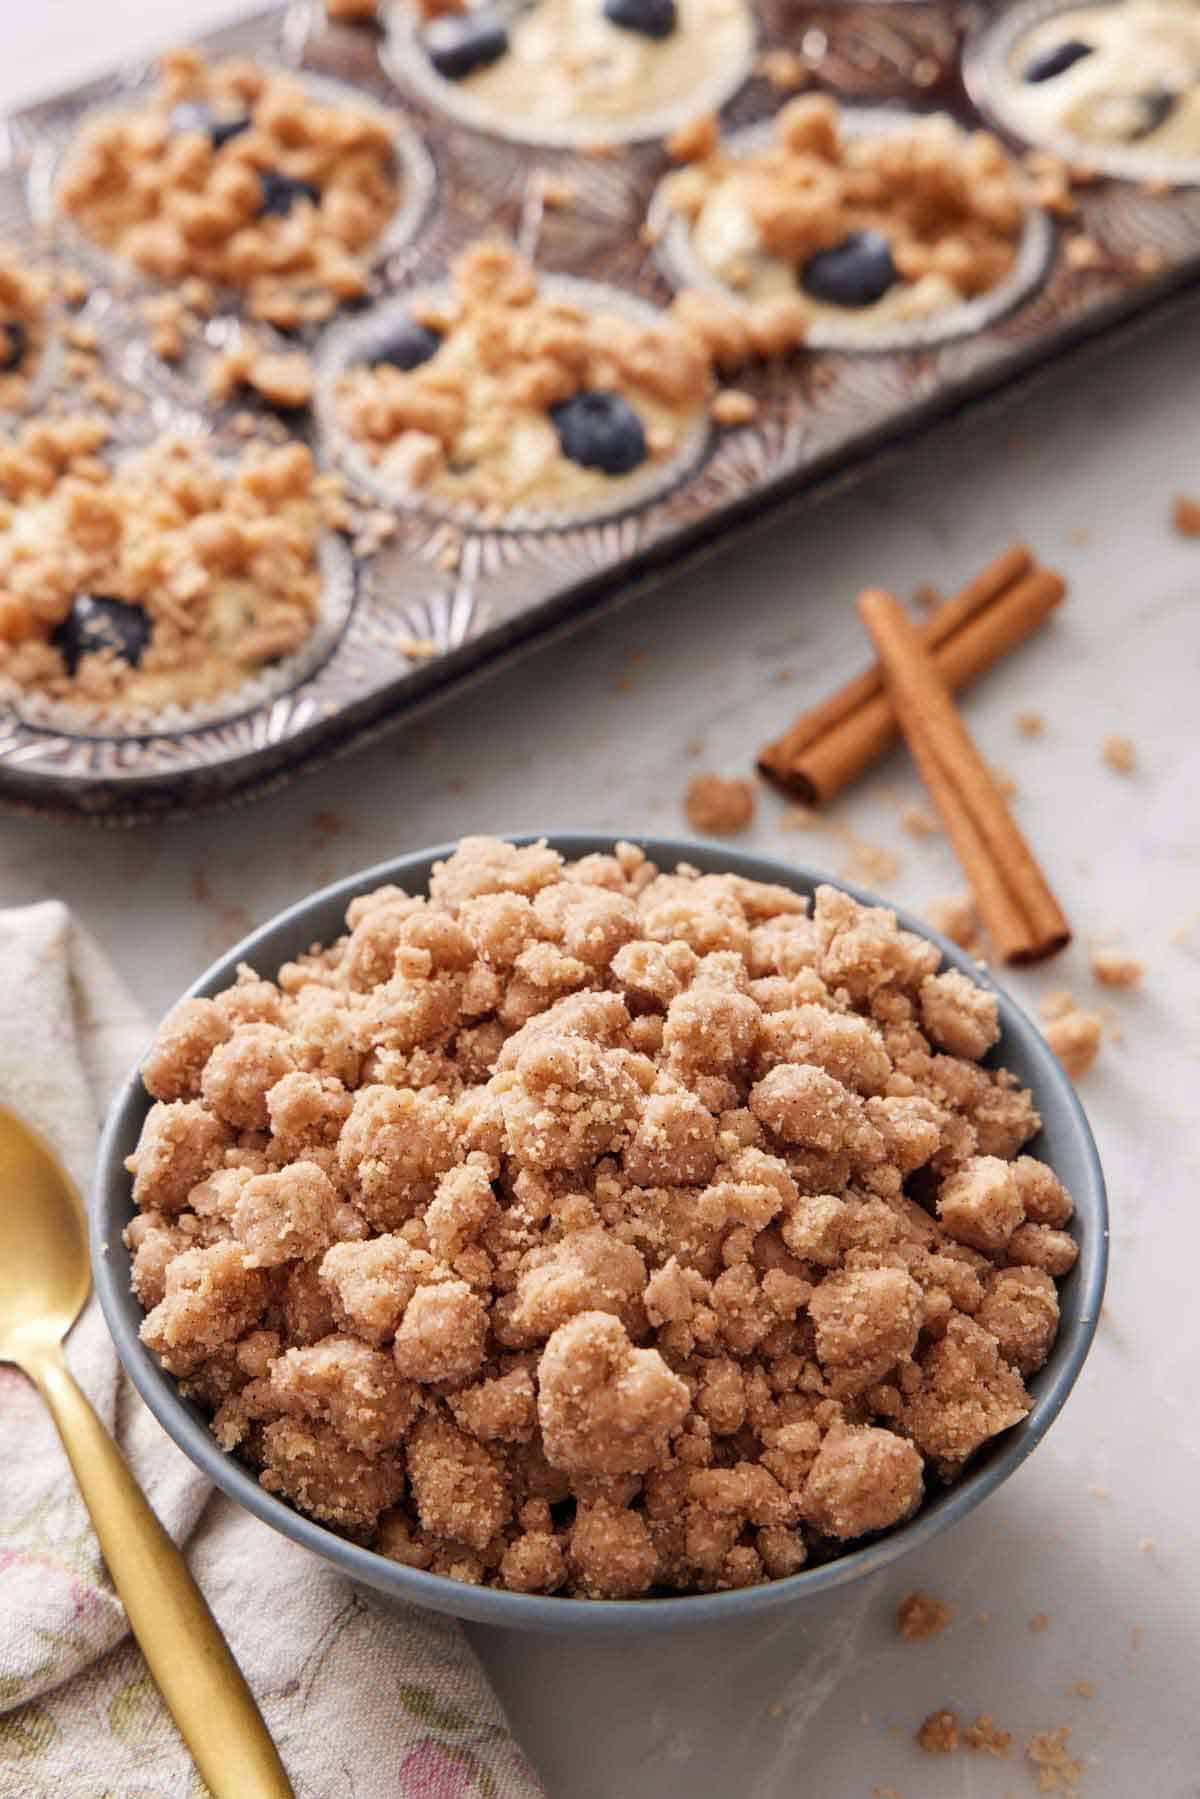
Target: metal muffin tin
477,596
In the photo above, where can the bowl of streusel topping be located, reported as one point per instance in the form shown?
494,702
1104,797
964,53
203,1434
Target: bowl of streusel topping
591,1235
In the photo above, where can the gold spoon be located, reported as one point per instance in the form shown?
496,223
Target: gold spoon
44,1282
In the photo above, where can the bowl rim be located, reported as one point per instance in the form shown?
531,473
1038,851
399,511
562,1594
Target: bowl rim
110,1202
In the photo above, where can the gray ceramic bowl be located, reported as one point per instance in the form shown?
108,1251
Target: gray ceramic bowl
1065,1142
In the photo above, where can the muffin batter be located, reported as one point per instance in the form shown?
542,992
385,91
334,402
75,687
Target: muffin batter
163,580
863,230
236,175
501,395
1116,77
589,64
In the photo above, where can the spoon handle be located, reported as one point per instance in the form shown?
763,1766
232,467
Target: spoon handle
179,1637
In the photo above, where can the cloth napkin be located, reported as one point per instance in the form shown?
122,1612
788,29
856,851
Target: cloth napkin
365,1700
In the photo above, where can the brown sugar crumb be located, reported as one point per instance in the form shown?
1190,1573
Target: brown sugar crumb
693,141
1030,724
557,193
954,915
920,1617
1185,515
717,807
939,1735
193,209
783,70
284,379
1039,1622
1057,1771
871,863
1084,1689
919,822
1120,753
1072,1033
732,406
1113,968
985,1739
550,1231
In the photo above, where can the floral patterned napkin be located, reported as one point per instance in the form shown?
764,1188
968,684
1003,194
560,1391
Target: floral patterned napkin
364,1701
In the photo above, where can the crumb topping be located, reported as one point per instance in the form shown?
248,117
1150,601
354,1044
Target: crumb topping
717,807
588,1228
479,419
164,577
941,209
920,1617
235,174
24,302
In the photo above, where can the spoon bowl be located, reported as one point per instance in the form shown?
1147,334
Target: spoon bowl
44,1283
45,1277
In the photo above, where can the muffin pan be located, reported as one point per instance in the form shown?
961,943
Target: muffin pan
442,600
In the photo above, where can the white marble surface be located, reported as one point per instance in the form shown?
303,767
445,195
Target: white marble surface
1098,1531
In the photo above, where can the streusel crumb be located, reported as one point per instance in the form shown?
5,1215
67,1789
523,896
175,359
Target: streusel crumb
920,1617
1073,1034
717,807
163,578
235,174
985,1738
939,1735
1185,515
1114,968
586,1228
1057,1771
1120,753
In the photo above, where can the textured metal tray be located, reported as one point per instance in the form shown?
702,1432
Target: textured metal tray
824,415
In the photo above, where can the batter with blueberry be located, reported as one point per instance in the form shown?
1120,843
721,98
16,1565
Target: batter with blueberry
238,176
589,65
860,230
161,579
503,394
1118,77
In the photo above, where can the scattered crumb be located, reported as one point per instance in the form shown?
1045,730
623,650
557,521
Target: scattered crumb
1073,1034
694,746
417,649
1120,754
1148,261
557,193
1083,1689
783,70
920,1617
954,915
939,1733
918,822
1146,1545
983,1617
1006,784
775,1710
694,140
1135,1636
985,1739
1099,1492
1185,515
1083,252
870,863
926,596
733,407
885,1793
1057,1772
717,807
1039,1622
801,818
1030,724
1112,968
1080,536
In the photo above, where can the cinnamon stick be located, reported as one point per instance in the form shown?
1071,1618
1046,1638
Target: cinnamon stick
1014,901
831,745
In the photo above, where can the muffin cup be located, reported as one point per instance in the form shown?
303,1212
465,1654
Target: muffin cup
684,268
408,65
91,718
353,341
415,174
990,84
